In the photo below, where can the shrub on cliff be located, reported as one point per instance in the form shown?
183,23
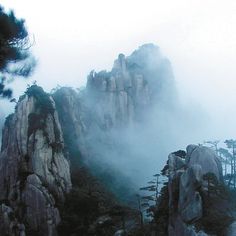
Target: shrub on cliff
217,206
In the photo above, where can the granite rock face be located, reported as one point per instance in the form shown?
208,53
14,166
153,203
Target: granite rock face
113,102
206,158
100,121
45,131
123,95
186,184
34,174
75,120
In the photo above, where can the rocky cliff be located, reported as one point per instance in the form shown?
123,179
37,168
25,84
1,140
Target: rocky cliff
110,122
1,124
34,173
123,95
49,136
199,203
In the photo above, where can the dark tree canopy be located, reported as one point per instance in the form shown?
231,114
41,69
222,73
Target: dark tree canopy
15,58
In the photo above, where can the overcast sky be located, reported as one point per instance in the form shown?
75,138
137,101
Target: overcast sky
198,37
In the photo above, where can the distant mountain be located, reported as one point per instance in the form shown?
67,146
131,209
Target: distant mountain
113,124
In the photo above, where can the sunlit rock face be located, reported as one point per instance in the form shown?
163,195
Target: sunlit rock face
187,188
34,174
77,122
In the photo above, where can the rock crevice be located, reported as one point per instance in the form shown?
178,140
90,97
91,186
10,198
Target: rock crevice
34,174
194,208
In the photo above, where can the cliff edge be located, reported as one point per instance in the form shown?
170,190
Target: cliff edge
34,173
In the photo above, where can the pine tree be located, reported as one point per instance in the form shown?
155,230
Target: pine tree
15,58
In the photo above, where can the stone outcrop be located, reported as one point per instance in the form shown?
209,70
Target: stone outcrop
45,132
95,119
75,119
188,191
34,174
206,158
123,95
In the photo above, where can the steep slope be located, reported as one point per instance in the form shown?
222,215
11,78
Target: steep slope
199,202
1,124
34,174
86,144
113,121
123,95
104,128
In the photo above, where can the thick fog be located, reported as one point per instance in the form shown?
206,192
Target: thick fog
198,37
138,142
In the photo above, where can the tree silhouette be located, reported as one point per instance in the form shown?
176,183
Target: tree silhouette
231,144
15,58
213,144
153,187
212,182
225,157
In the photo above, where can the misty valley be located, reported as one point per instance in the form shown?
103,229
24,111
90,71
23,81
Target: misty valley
115,157
83,162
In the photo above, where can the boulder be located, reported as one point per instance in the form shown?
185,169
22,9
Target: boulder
206,158
185,188
190,202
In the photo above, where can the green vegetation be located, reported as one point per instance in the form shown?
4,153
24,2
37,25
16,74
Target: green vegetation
43,107
105,174
68,128
38,119
161,213
8,120
80,210
217,206
43,102
227,157
14,48
91,210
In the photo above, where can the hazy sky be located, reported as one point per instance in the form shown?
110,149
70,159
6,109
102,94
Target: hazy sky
199,38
